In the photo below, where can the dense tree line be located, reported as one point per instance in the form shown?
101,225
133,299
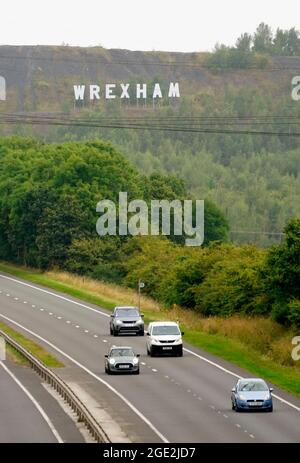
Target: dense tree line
254,50
223,279
48,194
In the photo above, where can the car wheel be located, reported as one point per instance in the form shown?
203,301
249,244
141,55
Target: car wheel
141,333
180,353
237,409
107,371
270,410
115,333
111,331
137,372
151,352
232,405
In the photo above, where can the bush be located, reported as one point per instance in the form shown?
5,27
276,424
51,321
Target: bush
294,312
280,312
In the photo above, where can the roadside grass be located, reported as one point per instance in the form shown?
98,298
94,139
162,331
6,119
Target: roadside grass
106,295
257,344
36,350
15,356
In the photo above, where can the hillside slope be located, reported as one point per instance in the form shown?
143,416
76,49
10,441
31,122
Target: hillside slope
254,179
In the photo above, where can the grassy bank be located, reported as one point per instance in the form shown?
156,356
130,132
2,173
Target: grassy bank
259,345
39,352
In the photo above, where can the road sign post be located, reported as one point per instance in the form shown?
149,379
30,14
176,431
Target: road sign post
141,286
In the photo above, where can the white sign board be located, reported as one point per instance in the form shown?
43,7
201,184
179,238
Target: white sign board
124,91
2,349
2,89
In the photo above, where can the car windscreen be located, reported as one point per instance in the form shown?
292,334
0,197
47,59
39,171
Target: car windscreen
165,330
252,386
127,313
121,353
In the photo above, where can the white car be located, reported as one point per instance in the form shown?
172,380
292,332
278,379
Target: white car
164,337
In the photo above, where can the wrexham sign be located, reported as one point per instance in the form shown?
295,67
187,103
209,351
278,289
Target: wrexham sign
125,91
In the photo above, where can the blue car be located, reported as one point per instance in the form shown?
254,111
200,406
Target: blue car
252,394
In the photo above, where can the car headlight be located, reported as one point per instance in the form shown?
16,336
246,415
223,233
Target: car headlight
155,341
242,397
135,361
112,361
119,322
139,322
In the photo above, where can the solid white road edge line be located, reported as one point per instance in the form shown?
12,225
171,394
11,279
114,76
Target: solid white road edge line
126,401
106,315
239,377
55,295
35,403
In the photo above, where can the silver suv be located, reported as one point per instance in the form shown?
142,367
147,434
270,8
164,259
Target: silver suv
126,320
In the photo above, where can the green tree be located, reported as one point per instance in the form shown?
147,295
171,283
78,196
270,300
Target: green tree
244,42
263,39
60,223
282,274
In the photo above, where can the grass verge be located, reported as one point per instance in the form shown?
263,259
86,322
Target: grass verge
252,344
14,356
39,352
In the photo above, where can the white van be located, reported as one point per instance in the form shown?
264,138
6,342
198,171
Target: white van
164,337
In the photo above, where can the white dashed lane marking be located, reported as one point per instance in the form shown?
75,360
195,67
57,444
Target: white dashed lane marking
142,363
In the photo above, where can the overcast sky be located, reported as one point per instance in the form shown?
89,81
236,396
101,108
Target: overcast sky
186,25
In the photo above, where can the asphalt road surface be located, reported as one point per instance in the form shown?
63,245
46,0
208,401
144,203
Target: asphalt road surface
28,413
173,399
